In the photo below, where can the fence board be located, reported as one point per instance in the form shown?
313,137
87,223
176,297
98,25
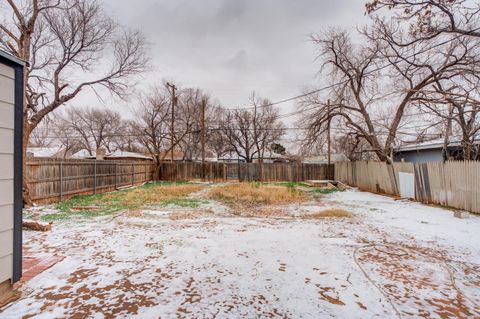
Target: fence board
266,172
55,180
454,183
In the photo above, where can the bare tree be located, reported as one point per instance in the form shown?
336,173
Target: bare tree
152,125
66,137
457,103
71,45
378,82
251,132
354,147
188,114
92,128
267,128
452,98
128,140
217,140
41,136
430,18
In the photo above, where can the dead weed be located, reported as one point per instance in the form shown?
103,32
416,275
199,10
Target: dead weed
149,195
334,212
256,194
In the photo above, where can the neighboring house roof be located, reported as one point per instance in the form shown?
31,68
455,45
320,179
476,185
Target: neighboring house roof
230,157
121,154
432,144
83,154
276,156
43,151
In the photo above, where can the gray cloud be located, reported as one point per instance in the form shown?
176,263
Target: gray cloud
231,47
238,61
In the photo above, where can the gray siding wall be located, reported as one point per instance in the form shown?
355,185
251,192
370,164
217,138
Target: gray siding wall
420,156
7,95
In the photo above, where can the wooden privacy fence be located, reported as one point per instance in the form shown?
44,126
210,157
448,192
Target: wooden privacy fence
54,180
453,184
267,172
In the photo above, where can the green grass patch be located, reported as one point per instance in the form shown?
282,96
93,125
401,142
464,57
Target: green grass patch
164,183
87,206
324,191
285,184
304,186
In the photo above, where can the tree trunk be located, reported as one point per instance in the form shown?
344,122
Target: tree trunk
27,201
467,150
156,174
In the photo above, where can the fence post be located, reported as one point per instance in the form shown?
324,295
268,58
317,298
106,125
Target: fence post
116,175
238,171
95,177
133,174
61,180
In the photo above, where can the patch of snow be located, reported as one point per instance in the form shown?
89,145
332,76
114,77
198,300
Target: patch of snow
392,256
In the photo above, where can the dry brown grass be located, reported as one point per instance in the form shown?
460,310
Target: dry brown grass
255,194
138,197
159,193
329,213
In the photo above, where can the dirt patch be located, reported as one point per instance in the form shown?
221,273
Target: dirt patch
329,294
262,212
405,276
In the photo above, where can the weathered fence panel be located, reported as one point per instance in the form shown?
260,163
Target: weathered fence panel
55,180
265,172
455,183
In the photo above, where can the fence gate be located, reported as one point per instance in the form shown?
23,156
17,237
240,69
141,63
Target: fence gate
407,185
232,171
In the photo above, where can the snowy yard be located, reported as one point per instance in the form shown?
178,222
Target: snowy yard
389,259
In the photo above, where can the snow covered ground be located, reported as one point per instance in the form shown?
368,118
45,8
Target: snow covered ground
391,259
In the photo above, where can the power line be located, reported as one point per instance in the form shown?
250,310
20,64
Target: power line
345,81
213,129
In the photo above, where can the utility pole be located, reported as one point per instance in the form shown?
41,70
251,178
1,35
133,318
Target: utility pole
172,130
204,104
328,133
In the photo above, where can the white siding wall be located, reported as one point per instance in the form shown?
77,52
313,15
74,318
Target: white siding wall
7,94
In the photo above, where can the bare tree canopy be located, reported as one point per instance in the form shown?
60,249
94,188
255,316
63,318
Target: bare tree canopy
452,99
70,45
431,18
250,133
188,115
92,129
379,80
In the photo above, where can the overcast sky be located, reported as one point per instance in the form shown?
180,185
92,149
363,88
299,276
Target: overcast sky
232,47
